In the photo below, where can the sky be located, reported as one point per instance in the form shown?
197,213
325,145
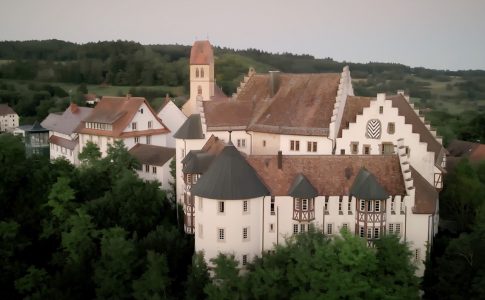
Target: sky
440,34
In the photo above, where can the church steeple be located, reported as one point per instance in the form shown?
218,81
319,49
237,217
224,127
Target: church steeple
201,75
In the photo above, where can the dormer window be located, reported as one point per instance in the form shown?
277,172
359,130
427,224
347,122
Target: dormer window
303,209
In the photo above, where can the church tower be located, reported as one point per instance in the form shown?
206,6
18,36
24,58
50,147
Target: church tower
201,76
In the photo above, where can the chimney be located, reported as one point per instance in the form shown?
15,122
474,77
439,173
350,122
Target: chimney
274,77
74,108
280,160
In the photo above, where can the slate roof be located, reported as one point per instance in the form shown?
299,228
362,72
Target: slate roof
191,129
366,186
425,194
151,154
118,111
302,188
198,161
36,127
6,110
229,177
68,121
201,53
331,175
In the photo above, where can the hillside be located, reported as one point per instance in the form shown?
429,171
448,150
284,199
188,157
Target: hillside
30,71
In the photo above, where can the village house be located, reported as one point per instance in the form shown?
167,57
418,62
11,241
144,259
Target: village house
9,120
63,140
288,152
172,117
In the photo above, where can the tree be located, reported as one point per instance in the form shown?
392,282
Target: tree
226,281
154,283
198,278
89,154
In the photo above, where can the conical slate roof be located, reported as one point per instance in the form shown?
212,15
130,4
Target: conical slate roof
191,129
37,128
302,188
366,187
230,177
198,163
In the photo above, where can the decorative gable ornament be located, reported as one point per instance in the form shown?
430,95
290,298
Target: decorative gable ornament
373,129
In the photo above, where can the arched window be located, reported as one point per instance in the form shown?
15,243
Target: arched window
201,72
197,72
199,90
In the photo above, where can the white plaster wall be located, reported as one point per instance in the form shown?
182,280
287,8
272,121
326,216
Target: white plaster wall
324,145
173,118
235,135
58,151
9,122
163,174
101,141
272,143
233,220
419,157
142,120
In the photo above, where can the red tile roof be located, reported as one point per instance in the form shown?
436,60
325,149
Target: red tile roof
201,53
425,196
331,175
56,140
152,155
118,111
6,110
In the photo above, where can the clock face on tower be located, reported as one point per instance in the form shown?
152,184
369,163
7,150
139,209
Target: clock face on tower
373,130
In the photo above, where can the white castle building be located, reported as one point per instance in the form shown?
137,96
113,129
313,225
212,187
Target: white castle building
290,151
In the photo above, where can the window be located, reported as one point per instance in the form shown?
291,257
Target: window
417,255
378,206
272,206
342,151
387,148
366,149
376,232
194,178
394,228
149,139
297,203
295,145
302,227
370,206
264,143
304,204
369,233
271,227
241,143
154,169
354,147
221,234
330,229
340,200
362,205
141,110
408,151
402,208
221,206
245,206
147,168
200,231
312,146
349,205
393,206
197,73
361,231
133,126
149,124
201,72
245,233
391,128
295,228
381,109
326,205
345,226
244,259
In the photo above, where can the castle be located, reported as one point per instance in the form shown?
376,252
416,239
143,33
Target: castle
291,151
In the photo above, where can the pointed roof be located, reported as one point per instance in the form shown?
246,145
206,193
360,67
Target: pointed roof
230,177
36,128
201,53
151,154
302,188
198,163
367,187
191,129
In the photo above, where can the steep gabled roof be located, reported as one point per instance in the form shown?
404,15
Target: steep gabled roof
229,177
410,117
6,110
151,154
426,195
367,187
191,129
68,121
68,144
302,188
201,53
331,175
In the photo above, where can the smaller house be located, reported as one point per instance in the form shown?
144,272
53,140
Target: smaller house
9,120
64,142
155,163
459,149
36,140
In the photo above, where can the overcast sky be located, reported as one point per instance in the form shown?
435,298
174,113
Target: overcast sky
444,34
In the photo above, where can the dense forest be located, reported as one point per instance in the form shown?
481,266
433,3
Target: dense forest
100,232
